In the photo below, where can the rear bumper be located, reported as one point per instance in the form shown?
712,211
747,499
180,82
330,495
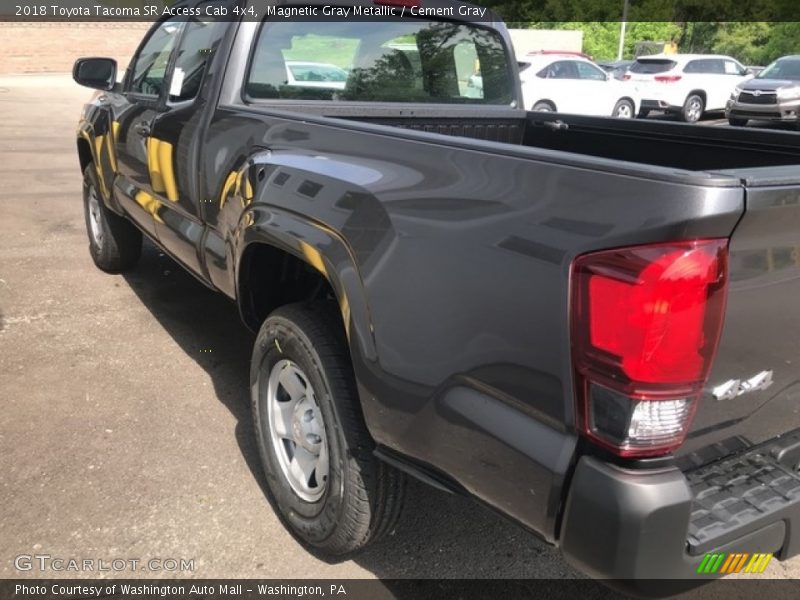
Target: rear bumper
633,527
651,104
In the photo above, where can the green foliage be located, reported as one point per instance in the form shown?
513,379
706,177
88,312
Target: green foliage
757,41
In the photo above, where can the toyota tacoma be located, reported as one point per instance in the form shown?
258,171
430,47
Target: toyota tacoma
588,325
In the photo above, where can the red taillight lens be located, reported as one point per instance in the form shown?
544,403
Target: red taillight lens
646,322
626,77
667,78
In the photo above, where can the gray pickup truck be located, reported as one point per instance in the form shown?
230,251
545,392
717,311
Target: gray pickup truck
589,325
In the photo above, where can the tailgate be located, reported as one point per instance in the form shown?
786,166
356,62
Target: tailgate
753,393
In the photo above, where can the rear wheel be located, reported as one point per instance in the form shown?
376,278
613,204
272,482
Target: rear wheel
114,242
623,109
737,122
693,108
544,106
323,479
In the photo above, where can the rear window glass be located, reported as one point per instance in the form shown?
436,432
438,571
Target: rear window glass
652,66
419,61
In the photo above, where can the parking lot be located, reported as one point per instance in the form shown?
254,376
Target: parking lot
125,430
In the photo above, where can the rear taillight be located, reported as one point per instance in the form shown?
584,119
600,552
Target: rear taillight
626,77
646,321
667,78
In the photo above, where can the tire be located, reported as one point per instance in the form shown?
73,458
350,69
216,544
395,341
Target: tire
544,106
114,242
737,122
693,108
623,109
643,113
302,348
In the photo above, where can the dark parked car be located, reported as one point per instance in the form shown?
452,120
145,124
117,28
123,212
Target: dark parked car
772,95
589,325
617,68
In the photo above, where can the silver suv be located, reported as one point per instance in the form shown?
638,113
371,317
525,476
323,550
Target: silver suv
773,95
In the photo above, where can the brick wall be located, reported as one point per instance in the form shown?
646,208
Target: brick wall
53,47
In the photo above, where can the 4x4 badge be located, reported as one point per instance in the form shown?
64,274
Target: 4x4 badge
737,387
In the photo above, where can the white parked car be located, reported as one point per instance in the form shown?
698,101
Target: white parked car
686,84
314,74
571,83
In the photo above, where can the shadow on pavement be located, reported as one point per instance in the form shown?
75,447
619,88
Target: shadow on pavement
438,535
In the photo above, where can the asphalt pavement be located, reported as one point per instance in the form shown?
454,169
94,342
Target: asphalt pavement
125,429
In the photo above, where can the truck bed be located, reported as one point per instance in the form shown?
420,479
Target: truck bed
665,144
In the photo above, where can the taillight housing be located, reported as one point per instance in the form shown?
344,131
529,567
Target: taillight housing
646,321
667,78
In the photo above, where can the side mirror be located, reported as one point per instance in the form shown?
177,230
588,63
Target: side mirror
95,73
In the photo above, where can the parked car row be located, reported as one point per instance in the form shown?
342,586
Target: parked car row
686,85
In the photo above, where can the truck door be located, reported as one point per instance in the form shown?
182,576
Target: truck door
175,143
143,93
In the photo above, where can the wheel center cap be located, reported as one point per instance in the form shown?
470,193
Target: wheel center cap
298,422
305,426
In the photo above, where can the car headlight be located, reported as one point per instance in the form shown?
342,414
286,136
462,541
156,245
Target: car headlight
735,93
789,94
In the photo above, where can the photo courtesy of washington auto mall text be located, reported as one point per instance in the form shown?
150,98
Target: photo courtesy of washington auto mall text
399,299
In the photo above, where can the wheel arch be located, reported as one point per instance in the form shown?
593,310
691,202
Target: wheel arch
285,258
85,155
699,92
545,101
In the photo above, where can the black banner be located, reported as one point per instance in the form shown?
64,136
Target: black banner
513,11
389,589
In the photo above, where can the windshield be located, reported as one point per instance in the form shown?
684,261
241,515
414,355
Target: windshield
651,66
782,69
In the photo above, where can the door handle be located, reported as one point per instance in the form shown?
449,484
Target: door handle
142,129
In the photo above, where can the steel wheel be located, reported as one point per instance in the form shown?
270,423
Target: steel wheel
623,110
297,431
95,217
693,109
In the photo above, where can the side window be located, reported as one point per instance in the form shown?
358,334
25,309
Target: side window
587,71
712,66
197,47
716,66
561,69
300,65
149,70
733,68
693,66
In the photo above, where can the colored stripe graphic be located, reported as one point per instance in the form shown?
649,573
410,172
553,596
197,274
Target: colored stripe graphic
729,562
724,563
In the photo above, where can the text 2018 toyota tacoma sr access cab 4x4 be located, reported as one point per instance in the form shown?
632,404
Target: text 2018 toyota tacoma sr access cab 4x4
589,325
